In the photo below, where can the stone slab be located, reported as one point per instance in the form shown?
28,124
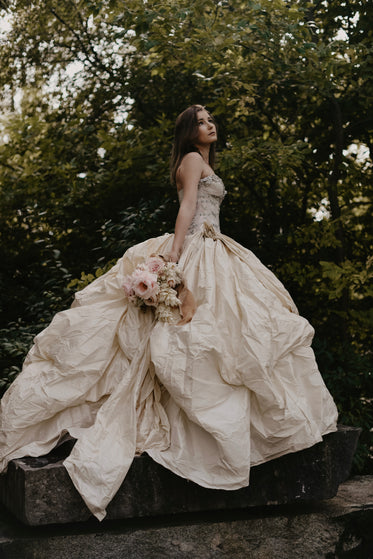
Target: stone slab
340,528
38,491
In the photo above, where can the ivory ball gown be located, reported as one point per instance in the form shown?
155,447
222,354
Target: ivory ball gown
235,387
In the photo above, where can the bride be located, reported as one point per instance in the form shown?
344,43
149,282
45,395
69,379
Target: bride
231,385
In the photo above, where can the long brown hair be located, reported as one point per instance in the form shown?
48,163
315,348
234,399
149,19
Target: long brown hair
186,133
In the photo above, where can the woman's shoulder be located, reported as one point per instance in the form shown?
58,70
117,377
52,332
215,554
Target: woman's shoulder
190,168
193,158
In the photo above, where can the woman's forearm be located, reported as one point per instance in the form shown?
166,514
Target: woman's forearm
190,173
184,218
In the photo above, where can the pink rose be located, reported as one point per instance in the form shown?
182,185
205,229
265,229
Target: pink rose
145,284
155,264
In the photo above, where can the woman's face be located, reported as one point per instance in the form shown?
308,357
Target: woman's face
206,128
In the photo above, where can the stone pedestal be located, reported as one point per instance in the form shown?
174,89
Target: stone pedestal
38,491
339,528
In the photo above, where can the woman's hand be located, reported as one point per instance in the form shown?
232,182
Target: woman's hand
188,305
172,256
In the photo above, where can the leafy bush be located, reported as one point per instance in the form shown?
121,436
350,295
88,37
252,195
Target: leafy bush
15,341
349,377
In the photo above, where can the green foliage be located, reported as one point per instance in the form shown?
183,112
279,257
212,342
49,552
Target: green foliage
84,154
349,376
78,284
15,340
134,225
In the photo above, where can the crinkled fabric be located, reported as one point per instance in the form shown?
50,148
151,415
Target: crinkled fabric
235,387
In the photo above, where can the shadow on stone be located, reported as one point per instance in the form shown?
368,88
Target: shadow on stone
38,491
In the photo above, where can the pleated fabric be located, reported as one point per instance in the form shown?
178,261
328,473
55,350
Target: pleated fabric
235,387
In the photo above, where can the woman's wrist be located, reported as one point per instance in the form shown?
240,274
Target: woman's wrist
173,255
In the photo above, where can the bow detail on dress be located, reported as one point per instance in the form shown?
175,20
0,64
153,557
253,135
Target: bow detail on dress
208,231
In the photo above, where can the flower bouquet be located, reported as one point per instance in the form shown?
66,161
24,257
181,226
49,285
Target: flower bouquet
155,284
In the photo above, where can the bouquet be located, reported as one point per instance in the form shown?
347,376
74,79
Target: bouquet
154,284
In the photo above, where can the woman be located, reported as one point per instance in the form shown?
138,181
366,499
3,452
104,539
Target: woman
232,385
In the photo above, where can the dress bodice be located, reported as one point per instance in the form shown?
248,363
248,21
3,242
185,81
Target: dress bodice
210,195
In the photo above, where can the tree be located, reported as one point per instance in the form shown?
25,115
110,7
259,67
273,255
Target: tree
85,156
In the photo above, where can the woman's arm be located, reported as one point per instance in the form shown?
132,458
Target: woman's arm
189,174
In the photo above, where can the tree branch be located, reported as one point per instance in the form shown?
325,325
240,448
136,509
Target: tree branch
91,47
96,62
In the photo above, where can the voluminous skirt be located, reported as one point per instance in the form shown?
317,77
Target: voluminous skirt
235,387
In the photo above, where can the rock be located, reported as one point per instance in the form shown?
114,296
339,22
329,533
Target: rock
38,491
340,528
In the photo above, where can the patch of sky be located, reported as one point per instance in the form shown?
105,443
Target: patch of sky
360,152
5,25
322,211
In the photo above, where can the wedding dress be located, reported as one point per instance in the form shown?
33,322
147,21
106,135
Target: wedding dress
235,387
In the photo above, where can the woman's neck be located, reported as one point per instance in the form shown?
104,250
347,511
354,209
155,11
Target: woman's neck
205,153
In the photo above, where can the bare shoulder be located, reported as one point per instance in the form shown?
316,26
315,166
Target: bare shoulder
190,169
191,162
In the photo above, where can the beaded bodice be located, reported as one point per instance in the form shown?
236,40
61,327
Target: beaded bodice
210,195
